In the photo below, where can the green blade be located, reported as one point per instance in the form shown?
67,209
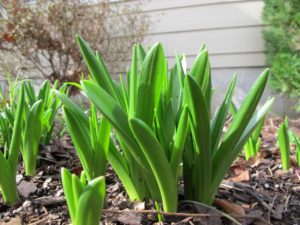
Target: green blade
32,136
101,149
141,54
8,186
158,163
150,84
200,71
221,165
66,178
81,139
119,165
200,124
297,150
220,117
133,83
240,121
284,144
179,141
97,69
16,141
91,202
77,189
115,115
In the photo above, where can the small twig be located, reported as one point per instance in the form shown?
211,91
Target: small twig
39,221
286,205
272,205
49,200
47,159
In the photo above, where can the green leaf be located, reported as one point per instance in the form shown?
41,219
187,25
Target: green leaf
97,69
219,119
115,115
231,154
240,121
8,185
119,165
249,105
77,189
16,141
66,178
297,150
200,124
150,84
80,136
101,149
91,202
30,93
133,83
141,54
200,71
32,136
158,163
284,144
179,142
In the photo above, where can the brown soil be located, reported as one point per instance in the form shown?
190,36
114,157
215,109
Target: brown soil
257,191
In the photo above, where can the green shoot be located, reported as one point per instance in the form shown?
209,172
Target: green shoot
85,201
284,144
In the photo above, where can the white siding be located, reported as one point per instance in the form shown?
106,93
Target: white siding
231,30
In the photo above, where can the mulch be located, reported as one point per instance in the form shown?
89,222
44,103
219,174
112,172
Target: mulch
256,191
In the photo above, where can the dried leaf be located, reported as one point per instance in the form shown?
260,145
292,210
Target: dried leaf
243,176
229,207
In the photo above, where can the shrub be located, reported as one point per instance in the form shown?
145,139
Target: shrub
43,34
282,41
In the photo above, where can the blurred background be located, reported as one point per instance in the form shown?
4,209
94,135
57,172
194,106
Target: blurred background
242,36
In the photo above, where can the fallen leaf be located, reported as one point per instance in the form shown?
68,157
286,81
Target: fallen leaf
243,176
229,207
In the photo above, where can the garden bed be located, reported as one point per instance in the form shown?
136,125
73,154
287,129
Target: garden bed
257,191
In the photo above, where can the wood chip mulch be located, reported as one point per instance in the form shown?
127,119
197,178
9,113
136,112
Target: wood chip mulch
256,191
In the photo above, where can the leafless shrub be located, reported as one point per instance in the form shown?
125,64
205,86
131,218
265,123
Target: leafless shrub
43,34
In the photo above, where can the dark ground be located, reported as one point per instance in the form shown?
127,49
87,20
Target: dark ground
254,192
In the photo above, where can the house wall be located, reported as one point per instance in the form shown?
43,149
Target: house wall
232,32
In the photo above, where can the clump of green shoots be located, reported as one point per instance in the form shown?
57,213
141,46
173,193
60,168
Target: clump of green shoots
144,113
286,137
162,118
210,153
39,119
9,159
85,200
